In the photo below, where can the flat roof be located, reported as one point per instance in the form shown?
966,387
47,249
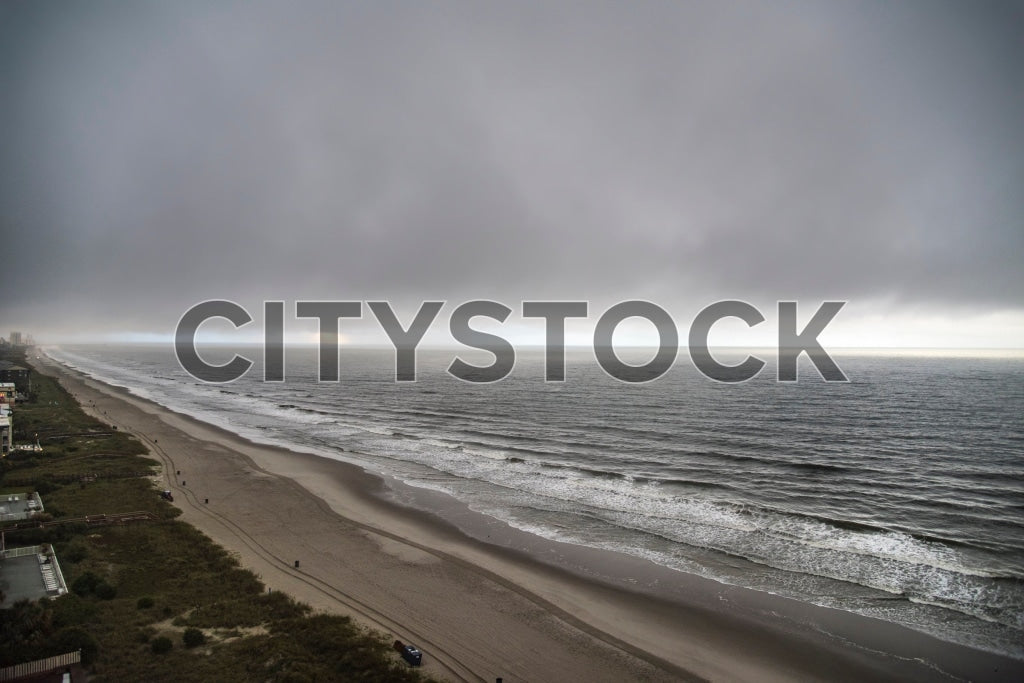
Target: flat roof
15,506
30,573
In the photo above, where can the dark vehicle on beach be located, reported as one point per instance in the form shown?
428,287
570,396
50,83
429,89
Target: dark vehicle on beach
166,495
409,653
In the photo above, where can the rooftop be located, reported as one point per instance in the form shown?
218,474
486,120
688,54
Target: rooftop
30,573
15,506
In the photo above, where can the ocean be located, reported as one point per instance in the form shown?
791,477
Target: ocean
897,495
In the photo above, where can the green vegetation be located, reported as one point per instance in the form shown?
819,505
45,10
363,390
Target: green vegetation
161,645
139,588
193,637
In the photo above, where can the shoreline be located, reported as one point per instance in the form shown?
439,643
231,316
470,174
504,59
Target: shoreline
479,609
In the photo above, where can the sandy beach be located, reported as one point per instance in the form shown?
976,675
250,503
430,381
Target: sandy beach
324,532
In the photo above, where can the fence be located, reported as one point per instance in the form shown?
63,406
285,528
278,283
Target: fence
21,552
40,666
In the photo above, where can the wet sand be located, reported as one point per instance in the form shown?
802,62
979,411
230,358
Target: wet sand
481,610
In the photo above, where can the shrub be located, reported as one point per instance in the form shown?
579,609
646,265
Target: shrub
104,591
144,603
193,637
161,645
73,553
71,610
76,639
85,584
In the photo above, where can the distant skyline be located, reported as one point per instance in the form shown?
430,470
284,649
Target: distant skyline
155,155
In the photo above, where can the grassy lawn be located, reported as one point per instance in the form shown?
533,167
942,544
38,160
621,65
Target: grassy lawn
140,591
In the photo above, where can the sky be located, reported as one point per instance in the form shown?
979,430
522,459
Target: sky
154,155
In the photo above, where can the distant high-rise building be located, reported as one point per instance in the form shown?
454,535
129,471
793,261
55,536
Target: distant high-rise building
15,338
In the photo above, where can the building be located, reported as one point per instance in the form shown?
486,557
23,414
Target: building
15,507
5,435
30,573
16,339
9,372
7,393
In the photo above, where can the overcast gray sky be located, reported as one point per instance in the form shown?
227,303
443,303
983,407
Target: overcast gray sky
156,154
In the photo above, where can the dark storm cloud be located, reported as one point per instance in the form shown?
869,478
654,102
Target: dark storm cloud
157,154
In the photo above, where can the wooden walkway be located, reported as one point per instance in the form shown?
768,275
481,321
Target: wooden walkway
88,520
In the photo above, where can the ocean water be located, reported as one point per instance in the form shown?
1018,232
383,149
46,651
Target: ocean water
898,495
